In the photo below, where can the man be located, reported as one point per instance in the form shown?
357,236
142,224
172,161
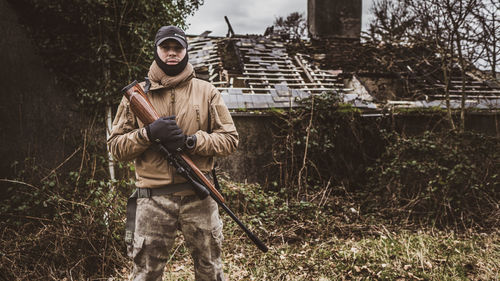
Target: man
194,120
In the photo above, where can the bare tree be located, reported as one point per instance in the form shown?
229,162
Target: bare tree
488,29
460,25
461,32
391,23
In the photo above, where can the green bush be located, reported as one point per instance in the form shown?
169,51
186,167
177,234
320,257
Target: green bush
64,226
325,141
441,178
438,178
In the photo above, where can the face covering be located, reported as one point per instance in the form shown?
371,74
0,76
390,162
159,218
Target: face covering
171,70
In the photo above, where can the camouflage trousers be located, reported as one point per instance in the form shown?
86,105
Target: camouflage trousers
157,221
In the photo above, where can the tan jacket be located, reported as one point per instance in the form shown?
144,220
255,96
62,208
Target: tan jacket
192,101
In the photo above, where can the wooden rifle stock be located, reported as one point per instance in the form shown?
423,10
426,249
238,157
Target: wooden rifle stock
143,109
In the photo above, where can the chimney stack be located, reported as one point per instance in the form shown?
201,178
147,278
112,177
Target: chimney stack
334,19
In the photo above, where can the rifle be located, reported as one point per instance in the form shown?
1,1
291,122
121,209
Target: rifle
143,109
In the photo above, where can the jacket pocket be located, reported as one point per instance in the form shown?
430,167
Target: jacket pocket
217,234
223,114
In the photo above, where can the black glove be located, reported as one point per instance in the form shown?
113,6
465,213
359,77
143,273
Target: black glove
164,130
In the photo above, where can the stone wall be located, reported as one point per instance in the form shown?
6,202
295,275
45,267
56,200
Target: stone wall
252,162
382,87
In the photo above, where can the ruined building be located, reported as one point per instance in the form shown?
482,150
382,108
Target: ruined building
260,72
256,73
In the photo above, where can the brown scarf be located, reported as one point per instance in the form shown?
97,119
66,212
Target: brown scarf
159,79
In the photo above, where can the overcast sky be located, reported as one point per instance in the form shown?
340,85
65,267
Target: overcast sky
248,16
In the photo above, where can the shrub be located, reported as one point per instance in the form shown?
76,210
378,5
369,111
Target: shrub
440,178
325,142
66,226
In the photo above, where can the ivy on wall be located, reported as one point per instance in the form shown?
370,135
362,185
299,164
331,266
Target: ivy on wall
325,141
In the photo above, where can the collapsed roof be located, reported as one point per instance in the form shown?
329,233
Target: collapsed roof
258,72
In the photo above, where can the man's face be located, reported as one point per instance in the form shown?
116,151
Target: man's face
171,52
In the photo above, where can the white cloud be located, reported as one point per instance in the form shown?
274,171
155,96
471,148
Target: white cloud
247,17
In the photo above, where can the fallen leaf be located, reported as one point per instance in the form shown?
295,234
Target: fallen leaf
178,268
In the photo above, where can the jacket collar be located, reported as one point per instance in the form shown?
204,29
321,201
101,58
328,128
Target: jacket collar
159,80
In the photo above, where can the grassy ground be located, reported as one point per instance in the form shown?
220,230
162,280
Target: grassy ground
380,255
326,235
330,237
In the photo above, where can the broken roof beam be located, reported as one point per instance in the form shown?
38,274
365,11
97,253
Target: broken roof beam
476,92
306,72
468,96
272,74
271,70
230,30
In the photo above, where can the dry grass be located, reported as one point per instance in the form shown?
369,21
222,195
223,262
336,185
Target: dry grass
376,253
334,240
404,255
328,238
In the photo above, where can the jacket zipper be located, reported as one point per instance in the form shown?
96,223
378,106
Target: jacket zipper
172,101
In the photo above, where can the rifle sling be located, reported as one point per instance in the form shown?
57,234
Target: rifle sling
147,85
209,130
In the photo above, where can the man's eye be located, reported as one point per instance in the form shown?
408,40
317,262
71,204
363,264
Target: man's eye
168,48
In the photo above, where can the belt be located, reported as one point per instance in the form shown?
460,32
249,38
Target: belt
164,190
